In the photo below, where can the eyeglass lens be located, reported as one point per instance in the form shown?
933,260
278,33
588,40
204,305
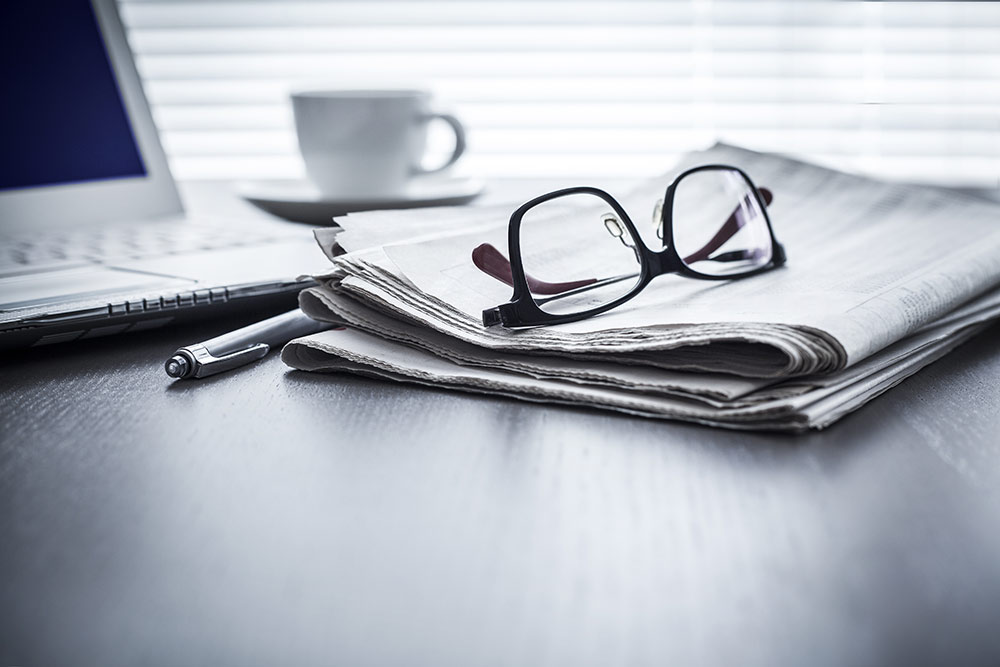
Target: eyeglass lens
577,254
718,225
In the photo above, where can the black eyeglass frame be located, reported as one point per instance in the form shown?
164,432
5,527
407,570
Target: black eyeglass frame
522,311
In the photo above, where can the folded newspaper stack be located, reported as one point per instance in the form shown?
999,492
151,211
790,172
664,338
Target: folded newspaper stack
881,280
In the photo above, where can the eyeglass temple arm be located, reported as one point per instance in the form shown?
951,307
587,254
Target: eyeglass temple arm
726,231
492,262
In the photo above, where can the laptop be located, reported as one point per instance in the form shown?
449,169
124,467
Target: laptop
93,236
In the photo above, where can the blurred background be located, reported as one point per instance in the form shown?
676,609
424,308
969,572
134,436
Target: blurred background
907,90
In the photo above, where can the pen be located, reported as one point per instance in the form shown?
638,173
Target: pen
240,347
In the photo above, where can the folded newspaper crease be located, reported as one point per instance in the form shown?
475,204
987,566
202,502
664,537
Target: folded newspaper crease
881,280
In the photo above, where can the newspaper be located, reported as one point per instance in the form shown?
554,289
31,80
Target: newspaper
347,350
881,279
380,346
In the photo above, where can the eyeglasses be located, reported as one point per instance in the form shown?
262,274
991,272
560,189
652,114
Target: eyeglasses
575,253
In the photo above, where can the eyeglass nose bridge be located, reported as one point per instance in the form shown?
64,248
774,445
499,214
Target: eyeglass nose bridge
660,262
664,261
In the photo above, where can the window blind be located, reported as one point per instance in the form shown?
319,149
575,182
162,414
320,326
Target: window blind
590,89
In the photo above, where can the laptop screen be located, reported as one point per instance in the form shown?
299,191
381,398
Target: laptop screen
63,119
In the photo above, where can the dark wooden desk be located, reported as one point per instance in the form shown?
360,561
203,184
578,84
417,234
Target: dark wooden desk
271,517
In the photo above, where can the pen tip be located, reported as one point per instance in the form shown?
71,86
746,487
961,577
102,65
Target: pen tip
177,366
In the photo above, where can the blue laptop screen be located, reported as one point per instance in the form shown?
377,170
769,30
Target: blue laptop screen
62,118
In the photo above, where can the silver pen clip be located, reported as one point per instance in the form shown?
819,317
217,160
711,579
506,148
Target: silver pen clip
196,361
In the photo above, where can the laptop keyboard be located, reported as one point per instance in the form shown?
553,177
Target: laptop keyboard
121,242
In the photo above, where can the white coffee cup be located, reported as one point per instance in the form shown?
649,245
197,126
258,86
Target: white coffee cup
367,143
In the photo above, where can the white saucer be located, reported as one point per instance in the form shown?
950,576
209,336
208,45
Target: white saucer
301,201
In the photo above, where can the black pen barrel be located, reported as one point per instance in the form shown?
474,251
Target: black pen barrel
274,331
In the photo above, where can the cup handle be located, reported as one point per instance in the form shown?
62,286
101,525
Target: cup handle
459,131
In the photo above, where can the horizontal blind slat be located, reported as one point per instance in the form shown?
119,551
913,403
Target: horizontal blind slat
554,38
575,141
533,90
192,13
354,66
613,114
